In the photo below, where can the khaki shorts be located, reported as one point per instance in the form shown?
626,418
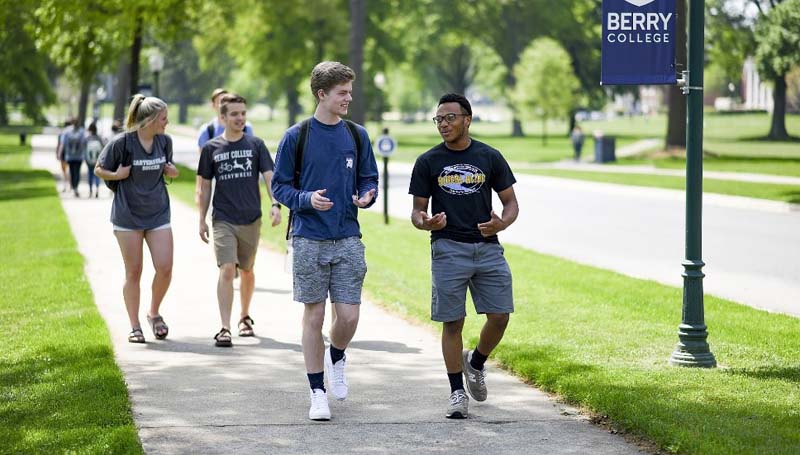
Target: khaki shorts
236,243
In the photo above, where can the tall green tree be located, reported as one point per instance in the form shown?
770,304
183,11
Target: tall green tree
358,32
24,76
508,26
777,52
286,40
81,38
162,21
547,87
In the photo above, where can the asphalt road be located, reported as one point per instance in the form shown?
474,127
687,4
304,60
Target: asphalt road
751,247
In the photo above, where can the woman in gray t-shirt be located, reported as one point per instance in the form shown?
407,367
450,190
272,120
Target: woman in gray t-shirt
137,162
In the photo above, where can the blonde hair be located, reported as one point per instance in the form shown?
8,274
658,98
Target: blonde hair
142,111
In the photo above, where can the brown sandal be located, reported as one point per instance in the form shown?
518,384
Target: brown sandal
246,327
136,336
223,338
160,329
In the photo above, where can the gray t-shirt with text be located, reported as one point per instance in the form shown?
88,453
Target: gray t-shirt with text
141,201
236,167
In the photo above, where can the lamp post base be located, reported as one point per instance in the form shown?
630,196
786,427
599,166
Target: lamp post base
692,349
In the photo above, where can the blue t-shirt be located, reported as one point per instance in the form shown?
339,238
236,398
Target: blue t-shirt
202,137
328,163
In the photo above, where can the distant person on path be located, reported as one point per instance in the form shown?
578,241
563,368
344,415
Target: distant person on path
94,146
237,209
137,161
459,176
74,151
325,172
60,154
214,127
577,141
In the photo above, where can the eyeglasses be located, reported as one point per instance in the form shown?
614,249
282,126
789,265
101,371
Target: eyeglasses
450,118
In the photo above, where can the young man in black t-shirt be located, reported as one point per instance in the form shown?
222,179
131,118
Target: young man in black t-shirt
459,176
235,160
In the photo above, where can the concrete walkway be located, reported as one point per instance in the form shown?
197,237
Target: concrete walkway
189,396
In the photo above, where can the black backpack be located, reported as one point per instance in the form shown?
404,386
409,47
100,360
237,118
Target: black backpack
298,159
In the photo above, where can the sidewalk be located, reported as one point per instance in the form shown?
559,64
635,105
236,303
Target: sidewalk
189,396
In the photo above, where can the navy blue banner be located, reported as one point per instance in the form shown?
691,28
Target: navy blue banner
638,42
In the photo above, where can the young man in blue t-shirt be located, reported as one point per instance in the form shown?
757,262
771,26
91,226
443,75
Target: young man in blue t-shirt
458,176
236,161
335,180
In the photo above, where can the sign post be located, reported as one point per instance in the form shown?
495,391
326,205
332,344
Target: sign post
386,146
639,48
692,349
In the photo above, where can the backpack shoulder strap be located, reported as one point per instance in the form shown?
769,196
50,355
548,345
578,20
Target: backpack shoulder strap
298,151
210,130
298,167
351,125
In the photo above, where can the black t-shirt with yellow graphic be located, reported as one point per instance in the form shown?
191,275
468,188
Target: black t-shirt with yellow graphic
460,184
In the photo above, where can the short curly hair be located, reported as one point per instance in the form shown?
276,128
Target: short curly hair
466,108
327,75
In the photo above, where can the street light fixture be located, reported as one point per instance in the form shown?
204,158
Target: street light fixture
156,61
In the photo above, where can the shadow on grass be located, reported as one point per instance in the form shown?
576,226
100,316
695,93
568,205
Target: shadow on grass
59,396
18,184
792,197
789,373
660,404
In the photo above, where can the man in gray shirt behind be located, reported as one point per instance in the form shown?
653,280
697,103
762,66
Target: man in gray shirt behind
235,161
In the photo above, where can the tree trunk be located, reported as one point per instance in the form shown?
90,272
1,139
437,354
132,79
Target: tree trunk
777,131
3,110
136,50
544,132
83,101
676,117
121,88
292,104
358,19
183,110
516,124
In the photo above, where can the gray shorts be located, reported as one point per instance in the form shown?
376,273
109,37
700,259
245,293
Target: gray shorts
328,267
479,266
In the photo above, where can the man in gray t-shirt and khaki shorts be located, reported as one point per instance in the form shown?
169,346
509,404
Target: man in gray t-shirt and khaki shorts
235,161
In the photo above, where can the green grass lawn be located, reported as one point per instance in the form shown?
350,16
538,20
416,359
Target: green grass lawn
60,390
772,191
602,341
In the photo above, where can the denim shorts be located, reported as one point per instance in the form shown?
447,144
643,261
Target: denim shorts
481,267
322,268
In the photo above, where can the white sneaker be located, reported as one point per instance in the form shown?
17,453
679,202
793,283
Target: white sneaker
319,406
337,381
